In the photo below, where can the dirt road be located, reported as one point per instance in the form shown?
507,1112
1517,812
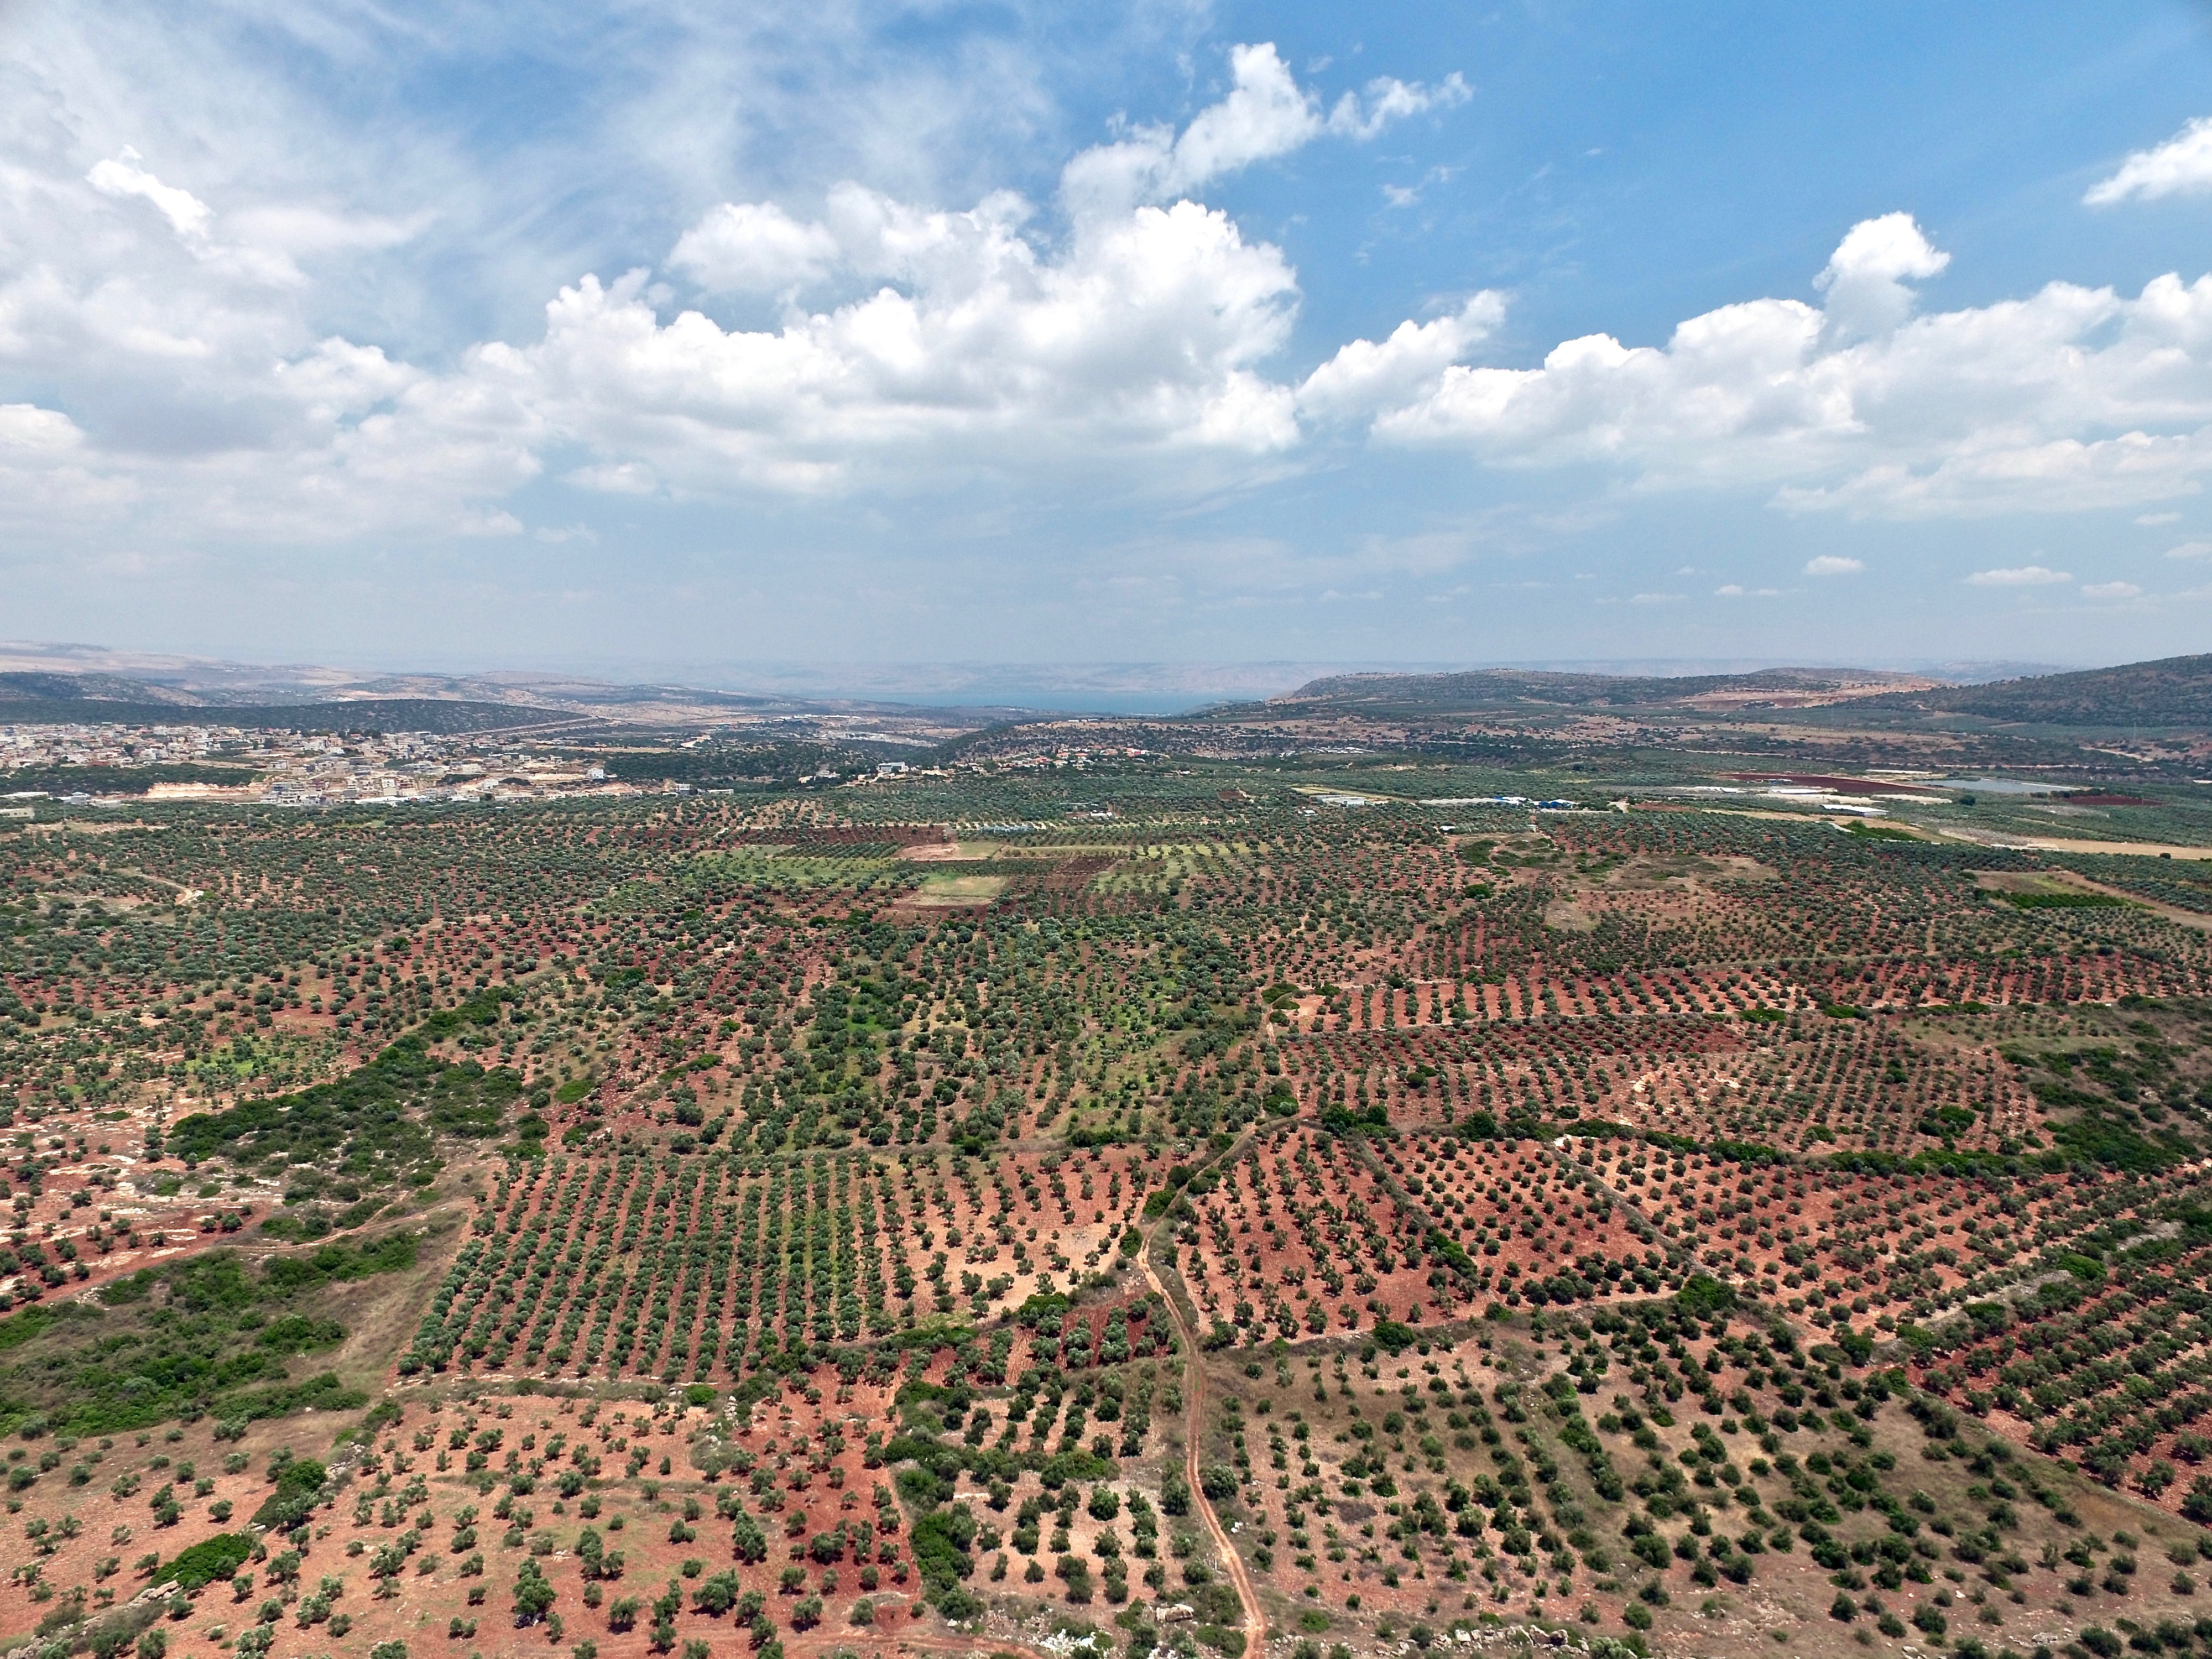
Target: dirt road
2146,849
1255,1620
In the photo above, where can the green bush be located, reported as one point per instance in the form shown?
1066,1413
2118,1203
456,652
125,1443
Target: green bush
1394,1338
205,1561
941,1540
299,1488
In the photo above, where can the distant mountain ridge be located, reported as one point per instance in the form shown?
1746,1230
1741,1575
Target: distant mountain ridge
61,674
2170,691
44,685
451,715
47,686
58,691
1500,689
42,697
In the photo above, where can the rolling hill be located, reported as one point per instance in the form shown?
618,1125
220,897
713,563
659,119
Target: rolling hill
1506,690
2173,693
2169,692
359,715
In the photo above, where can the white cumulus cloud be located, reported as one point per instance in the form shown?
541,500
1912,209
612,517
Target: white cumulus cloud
26,430
2069,399
1146,333
249,346
1127,332
2182,165
949,343
754,247
44,477
2112,590
1865,279
2025,576
1366,375
1145,329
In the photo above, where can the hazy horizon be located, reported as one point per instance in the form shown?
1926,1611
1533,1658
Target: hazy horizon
1127,688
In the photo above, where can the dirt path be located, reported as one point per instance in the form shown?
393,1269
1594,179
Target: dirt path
927,1642
1255,1620
2058,844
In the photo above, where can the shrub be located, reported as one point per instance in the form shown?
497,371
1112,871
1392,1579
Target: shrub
204,1563
299,1488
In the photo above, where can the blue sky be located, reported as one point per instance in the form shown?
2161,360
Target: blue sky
559,335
